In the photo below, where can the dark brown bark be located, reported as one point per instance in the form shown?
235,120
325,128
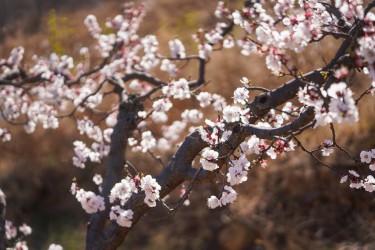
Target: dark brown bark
115,168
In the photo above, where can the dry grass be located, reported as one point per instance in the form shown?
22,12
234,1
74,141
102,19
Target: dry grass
292,204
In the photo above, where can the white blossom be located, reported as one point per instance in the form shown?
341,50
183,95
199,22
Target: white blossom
193,116
122,217
366,156
204,99
369,184
90,202
148,141
213,202
123,190
229,195
25,229
208,159
177,48
152,190
327,147
177,89
241,95
55,247
231,114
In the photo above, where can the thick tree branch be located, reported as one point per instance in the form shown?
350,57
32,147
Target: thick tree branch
28,80
143,77
266,101
304,119
115,168
240,132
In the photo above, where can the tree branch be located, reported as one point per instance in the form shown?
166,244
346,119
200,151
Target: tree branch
115,168
270,133
143,77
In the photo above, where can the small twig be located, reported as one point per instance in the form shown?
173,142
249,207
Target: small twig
299,144
157,158
83,100
366,92
187,192
338,146
134,169
258,88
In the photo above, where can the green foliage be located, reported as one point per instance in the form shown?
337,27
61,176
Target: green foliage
60,29
186,25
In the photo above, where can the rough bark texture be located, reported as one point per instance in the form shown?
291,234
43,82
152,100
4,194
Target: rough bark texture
115,168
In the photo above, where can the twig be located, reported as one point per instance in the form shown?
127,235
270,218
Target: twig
157,158
299,144
338,146
187,191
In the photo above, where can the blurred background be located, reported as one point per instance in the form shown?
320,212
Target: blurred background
291,204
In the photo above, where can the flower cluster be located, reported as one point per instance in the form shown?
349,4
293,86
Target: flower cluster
217,101
123,190
177,48
152,190
355,179
213,132
237,173
208,159
366,46
168,66
369,158
193,116
341,107
292,27
229,195
11,230
172,133
241,95
177,89
232,114
222,10
98,148
258,146
327,149
90,202
148,142
121,216
5,135
82,153
350,9
160,108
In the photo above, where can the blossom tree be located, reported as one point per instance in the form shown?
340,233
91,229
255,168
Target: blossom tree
119,104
